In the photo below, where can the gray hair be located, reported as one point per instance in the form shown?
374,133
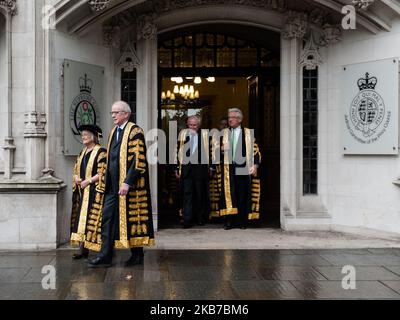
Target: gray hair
124,106
197,118
238,111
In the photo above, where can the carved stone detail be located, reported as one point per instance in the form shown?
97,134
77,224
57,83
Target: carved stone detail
146,27
99,5
10,6
129,59
362,4
170,5
295,25
310,57
111,36
35,123
330,35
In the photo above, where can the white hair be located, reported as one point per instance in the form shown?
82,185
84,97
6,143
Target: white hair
124,106
236,110
197,118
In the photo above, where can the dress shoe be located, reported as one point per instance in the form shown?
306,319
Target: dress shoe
134,261
228,227
80,256
99,263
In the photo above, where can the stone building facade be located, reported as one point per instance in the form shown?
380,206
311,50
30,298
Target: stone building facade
355,193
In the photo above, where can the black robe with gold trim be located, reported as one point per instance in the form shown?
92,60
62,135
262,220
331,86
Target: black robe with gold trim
135,219
205,157
227,203
87,203
215,192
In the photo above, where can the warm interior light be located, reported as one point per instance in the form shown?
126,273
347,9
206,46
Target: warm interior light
197,80
211,79
163,95
176,89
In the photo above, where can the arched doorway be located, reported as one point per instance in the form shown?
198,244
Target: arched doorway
235,65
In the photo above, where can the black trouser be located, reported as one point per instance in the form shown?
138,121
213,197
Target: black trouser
194,198
109,227
242,187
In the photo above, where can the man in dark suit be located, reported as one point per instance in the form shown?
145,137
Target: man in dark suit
127,215
193,171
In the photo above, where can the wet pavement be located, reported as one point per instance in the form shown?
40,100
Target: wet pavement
206,274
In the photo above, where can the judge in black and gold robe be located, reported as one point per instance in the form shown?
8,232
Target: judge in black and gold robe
193,172
215,179
240,183
88,192
127,214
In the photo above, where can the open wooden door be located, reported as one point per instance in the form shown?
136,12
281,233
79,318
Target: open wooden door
264,112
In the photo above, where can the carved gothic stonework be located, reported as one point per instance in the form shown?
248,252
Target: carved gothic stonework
99,5
169,5
330,34
310,57
362,4
129,60
295,25
35,123
317,17
146,27
111,36
10,6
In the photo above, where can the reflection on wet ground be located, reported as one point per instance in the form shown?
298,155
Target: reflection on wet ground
206,274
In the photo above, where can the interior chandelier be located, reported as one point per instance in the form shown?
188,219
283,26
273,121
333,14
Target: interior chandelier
186,92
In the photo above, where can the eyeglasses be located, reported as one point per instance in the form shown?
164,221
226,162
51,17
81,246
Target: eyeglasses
116,112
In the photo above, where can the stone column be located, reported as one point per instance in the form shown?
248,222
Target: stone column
29,202
147,89
9,147
291,45
8,9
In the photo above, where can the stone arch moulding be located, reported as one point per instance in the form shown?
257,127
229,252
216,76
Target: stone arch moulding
95,12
